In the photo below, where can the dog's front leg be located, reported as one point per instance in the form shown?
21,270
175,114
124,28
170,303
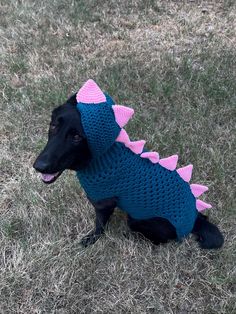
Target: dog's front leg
103,210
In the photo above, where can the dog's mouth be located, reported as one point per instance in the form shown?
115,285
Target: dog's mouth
50,177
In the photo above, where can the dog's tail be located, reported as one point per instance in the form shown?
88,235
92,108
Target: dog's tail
208,235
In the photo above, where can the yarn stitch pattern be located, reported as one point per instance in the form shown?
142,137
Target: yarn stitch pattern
145,186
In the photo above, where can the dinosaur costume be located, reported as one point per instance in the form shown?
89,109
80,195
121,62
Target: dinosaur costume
145,185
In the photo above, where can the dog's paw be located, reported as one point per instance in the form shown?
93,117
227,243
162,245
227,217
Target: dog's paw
90,239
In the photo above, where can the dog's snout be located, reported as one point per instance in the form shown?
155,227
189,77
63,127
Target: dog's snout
41,165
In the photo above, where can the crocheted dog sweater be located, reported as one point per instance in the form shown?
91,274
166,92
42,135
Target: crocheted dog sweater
145,185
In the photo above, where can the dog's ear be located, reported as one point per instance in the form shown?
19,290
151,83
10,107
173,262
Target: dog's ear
72,100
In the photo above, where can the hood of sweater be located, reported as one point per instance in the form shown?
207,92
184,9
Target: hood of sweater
97,117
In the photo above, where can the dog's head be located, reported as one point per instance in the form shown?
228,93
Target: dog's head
67,147
85,127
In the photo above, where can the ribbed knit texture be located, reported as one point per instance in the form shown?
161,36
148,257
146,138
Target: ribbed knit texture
144,190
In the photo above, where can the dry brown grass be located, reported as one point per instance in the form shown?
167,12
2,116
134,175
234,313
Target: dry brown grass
174,62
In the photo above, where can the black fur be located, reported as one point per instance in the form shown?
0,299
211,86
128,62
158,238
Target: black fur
67,148
208,235
103,209
157,230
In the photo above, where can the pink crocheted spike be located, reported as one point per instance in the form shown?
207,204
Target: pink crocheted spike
123,137
185,172
198,189
90,93
202,205
169,163
137,146
122,114
152,156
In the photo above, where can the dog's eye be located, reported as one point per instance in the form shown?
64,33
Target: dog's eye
52,127
77,138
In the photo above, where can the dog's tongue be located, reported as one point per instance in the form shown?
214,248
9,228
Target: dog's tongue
48,177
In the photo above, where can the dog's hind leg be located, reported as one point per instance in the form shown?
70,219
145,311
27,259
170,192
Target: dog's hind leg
103,210
157,230
208,235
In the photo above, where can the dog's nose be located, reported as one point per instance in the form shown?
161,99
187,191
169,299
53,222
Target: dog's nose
41,165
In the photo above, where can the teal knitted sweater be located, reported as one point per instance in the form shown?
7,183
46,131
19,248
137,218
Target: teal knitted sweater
145,185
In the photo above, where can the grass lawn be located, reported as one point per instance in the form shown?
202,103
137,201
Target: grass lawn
174,62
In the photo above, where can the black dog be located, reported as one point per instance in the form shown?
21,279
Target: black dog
67,148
